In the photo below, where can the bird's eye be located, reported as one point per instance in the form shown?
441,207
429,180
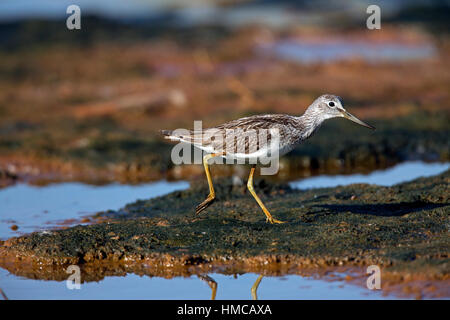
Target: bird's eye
331,104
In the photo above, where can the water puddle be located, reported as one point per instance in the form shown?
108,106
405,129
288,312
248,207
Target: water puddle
233,287
327,50
403,172
34,208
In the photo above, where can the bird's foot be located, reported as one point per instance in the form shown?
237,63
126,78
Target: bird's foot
205,204
272,220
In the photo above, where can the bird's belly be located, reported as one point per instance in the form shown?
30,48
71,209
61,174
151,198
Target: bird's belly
251,156
258,155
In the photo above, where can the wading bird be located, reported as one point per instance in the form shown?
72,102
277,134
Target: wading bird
290,131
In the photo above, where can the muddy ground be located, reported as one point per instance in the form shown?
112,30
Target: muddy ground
404,229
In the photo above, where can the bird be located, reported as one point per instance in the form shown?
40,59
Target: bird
288,130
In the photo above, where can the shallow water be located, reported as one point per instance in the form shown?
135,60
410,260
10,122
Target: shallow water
403,172
228,287
36,208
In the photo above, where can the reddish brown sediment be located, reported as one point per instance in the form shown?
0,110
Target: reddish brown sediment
99,120
39,171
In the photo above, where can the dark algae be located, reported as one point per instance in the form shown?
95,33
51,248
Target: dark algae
404,229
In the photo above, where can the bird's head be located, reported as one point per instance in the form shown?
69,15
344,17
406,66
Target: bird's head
330,106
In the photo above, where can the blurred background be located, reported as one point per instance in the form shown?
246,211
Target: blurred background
87,104
80,112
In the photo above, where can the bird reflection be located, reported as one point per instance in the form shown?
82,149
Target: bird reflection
255,287
213,285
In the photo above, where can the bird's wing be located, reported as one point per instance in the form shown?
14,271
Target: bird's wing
245,135
252,134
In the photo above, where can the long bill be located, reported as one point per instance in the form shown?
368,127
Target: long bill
351,117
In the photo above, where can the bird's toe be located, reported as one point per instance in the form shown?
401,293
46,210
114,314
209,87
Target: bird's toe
273,221
202,206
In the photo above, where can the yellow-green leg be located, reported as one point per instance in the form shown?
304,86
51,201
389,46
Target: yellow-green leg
269,217
202,206
255,287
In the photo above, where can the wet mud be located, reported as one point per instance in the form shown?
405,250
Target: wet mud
97,119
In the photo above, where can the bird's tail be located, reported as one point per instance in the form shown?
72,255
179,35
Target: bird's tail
189,138
170,135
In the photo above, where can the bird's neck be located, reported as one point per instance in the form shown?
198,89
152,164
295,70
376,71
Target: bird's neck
310,121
